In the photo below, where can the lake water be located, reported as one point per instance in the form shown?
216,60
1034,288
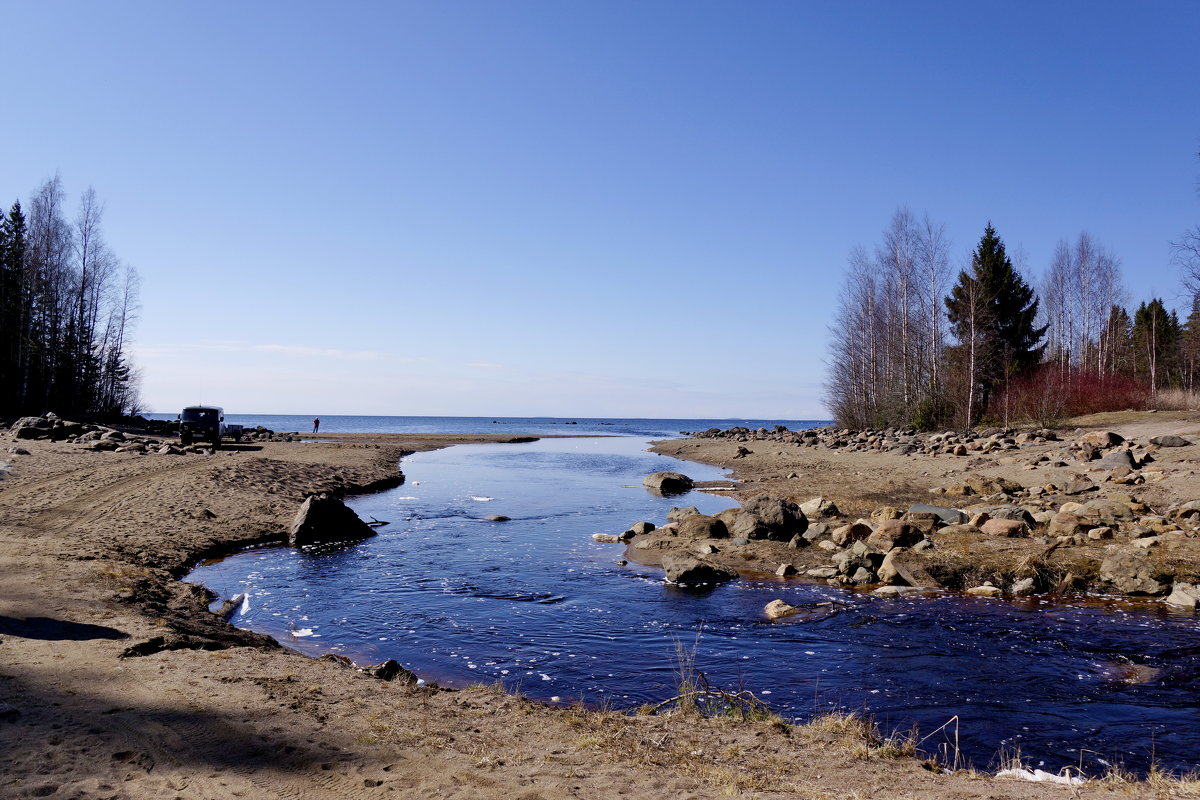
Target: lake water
536,604
514,426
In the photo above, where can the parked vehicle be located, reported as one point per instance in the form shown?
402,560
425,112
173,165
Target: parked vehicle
206,424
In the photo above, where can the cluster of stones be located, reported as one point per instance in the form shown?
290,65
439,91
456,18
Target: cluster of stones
93,437
902,441
100,438
701,535
889,547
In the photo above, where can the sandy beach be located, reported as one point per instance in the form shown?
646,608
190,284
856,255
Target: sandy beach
117,682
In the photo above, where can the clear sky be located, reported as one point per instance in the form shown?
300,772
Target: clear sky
618,208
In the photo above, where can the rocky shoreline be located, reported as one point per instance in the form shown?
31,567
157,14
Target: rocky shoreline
1014,512
116,681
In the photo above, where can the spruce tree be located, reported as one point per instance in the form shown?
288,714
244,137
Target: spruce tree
992,312
1156,340
14,312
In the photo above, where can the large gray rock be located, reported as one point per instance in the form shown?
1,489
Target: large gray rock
32,422
325,518
1104,511
1131,573
770,518
948,516
1170,440
1118,458
701,526
680,568
668,483
1016,513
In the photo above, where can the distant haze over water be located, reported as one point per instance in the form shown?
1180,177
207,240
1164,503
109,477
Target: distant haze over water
516,426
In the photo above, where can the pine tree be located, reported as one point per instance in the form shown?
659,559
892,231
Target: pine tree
992,312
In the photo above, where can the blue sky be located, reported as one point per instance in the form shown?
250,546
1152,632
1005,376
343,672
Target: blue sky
577,209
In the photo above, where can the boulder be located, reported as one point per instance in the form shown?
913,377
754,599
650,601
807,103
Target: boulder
31,432
1101,439
819,507
390,670
1065,523
1118,459
778,608
770,518
677,513
894,533
32,422
1104,511
986,486
324,518
1170,440
641,528
702,526
901,565
668,483
948,516
728,516
1017,513
687,569
1184,595
849,534
886,512
1078,485
1008,528
986,590
1022,588
951,530
497,518
1131,573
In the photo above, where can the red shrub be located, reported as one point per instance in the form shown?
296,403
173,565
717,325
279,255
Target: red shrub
1050,394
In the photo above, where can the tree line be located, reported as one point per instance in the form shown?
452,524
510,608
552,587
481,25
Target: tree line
67,309
907,350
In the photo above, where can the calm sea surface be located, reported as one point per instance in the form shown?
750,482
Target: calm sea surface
536,604
516,426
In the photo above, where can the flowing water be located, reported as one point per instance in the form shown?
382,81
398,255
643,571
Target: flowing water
536,604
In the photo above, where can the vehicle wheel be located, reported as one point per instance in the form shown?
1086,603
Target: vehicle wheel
185,439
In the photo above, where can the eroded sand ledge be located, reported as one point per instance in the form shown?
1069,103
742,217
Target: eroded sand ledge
91,546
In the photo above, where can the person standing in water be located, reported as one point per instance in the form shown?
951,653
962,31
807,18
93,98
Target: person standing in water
316,424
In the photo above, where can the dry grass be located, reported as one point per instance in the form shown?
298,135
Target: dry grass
1176,400
1163,782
